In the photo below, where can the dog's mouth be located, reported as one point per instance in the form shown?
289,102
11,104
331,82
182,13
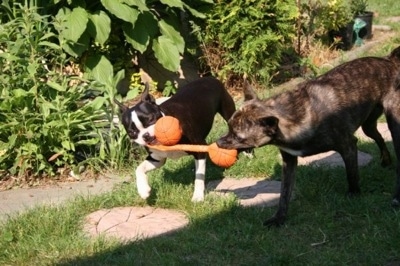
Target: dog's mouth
153,142
223,143
150,141
235,142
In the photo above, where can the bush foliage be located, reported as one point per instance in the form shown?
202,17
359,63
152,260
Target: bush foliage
124,27
248,37
51,119
47,122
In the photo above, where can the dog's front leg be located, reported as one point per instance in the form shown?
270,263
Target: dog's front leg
289,164
198,194
394,127
142,183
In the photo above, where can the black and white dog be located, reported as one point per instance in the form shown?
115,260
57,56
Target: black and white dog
195,106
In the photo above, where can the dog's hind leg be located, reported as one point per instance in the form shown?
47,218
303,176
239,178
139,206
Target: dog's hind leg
142,182
393,120
349,153
289,164
200,163
369,127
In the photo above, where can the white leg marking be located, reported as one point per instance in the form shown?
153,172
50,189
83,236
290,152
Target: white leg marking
142,183
198,194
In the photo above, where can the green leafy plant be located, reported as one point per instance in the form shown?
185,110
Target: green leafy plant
247,37
169,89
50,120
358,7
336,14
127,26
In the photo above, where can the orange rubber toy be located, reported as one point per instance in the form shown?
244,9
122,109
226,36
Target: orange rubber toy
167,130
221,157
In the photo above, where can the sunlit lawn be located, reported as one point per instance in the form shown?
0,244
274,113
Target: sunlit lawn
324,227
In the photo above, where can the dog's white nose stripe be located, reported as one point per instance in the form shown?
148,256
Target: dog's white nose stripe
136,121
142,130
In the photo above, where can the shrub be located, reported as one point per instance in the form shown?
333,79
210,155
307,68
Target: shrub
122,29
248,37
46,116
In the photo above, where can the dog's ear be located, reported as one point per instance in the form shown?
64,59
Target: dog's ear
146,97
270,125
395,58
122,107
248,90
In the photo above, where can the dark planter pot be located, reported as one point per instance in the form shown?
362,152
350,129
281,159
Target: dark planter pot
345,35
366,32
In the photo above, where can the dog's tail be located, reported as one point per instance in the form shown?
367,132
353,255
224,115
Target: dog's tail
227,107
395,56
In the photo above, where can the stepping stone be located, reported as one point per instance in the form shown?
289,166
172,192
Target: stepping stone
332,159
249,191
382,128
134,223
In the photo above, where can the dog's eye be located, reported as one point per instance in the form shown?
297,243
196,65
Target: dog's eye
133,134
239,139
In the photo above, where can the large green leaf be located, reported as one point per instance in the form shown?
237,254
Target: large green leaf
121,10
194,12
100,69
99,26
77,48
173,3
97,103
139,35
172,34
73,23
139,3
166,53
119,76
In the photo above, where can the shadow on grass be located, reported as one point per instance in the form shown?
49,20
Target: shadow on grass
235,235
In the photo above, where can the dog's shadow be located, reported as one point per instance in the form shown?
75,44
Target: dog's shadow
248,191
182,172
258,192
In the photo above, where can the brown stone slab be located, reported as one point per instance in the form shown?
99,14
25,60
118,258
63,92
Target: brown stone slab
134,223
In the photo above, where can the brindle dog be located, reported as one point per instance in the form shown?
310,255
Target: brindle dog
322,115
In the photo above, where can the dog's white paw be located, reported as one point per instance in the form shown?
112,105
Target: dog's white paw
249,154
395,203
144,191
198,197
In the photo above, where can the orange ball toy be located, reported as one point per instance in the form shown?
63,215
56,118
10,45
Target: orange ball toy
167,130
222,157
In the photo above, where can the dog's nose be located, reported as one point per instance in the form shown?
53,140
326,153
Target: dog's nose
148,138
221,142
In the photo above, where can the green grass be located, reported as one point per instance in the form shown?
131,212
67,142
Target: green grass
324,226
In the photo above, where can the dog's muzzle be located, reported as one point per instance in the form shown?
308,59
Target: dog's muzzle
149,139
222,143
